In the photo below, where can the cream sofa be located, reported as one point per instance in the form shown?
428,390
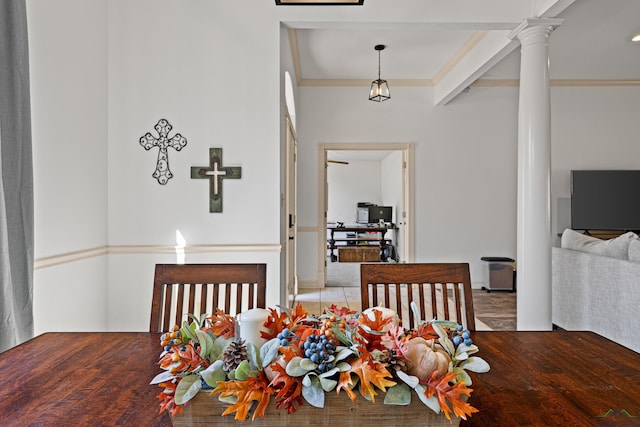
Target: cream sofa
596,286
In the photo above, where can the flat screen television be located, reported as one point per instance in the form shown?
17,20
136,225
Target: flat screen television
379,214
605,200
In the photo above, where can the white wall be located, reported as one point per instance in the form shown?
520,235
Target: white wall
71,297
391,183
104,72
465,156
190,65
131,279
465,170
392,193
68,73
592,128
359,181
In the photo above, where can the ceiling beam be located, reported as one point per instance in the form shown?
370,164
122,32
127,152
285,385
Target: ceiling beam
486,52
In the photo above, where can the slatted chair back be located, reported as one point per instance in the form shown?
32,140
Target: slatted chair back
180,289
440,290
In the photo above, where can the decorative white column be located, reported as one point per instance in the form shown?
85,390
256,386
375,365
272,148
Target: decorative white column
534,175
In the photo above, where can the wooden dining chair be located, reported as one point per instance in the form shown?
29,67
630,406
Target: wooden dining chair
181,289
440,290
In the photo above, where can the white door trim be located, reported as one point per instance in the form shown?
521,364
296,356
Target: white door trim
408,185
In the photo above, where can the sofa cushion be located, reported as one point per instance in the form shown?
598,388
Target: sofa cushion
634,250
615,248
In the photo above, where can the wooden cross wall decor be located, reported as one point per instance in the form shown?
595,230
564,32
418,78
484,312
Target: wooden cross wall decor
177,142
215,173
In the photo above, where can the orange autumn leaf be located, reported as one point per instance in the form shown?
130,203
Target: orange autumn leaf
376,324
167,398
288,388
450,396
192,357
293,319
340,312
186,360
166,361
372,374
298,313
289,352
246,391
426,331
221,324
345,383
275,323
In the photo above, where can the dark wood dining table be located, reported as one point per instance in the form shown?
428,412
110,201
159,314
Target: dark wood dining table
553,378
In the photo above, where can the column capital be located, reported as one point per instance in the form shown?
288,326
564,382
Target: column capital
548,23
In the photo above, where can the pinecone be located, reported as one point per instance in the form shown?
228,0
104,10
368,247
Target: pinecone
392,360
235,353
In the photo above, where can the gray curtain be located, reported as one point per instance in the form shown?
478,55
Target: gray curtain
16,178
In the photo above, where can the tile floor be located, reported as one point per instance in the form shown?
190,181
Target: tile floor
315,300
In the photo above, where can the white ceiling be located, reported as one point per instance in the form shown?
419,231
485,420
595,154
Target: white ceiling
593,43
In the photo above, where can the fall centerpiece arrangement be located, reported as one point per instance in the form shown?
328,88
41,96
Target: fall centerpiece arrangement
299,358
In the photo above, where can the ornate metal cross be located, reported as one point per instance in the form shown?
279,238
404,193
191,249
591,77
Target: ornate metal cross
148,141
215,173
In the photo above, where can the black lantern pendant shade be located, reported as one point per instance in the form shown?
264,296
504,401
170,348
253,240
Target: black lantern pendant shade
379,88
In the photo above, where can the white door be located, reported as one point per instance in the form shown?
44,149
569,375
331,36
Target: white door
291,277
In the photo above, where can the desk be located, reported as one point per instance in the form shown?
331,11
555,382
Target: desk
379,239
537,378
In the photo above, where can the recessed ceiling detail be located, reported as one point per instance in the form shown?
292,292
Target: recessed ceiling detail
451,55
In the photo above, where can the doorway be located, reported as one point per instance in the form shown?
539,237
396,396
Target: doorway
289,222
403,217
291,276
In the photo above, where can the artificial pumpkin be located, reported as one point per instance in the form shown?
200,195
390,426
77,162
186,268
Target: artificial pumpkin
269,372
424,357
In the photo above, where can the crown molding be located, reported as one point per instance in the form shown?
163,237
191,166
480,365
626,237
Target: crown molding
593,82
364,82
319,2
477,83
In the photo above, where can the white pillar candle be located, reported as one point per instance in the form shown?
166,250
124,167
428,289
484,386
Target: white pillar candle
251,323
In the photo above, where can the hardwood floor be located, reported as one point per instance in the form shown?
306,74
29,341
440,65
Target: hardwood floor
495,309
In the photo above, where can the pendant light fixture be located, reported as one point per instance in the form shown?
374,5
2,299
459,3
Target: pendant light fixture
379,88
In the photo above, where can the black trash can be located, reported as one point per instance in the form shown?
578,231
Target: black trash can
499,274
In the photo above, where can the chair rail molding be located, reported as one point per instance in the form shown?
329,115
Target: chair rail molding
148,249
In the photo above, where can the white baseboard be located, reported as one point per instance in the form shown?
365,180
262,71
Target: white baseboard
308,284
